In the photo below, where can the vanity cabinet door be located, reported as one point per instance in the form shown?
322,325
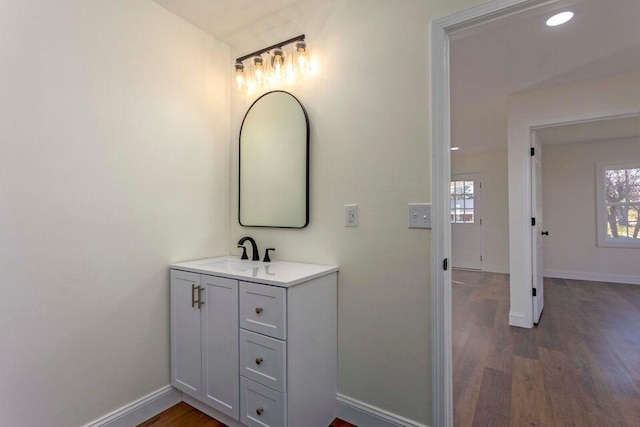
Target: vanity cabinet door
221,380
186,348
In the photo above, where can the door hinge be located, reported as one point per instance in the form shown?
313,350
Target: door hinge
445,264
535,292
533,151
480,221
480,257
533,222
480,184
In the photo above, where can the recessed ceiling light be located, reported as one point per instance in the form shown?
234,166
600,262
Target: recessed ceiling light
559,19
455,148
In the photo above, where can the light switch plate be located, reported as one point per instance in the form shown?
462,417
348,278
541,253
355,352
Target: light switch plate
350,215
419,215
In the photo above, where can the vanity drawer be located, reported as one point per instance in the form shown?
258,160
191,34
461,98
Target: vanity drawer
263,309
263,360
261,406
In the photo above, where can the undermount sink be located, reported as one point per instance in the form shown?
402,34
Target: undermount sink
232,264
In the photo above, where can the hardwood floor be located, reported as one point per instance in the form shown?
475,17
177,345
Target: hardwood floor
579,367
183,415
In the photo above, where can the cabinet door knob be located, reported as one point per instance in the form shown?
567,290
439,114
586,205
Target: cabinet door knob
259,411
258,310
259,360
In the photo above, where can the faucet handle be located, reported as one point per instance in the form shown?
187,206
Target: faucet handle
244,252
266,254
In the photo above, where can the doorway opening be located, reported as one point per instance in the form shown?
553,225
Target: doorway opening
584,76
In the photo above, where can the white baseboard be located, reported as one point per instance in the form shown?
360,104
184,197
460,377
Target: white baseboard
365,415
349,409
594,277
518,319
140,410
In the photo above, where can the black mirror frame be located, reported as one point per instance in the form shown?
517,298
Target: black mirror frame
306,118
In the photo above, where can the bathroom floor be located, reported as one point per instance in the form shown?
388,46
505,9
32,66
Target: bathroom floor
183,415
580,366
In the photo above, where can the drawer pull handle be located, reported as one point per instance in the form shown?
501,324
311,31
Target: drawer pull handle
259,411
259,360
258,310
193,295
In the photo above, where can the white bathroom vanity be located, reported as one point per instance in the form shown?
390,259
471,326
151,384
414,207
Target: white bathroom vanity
255,343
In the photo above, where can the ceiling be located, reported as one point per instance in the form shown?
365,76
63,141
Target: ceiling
231,20
592,131
519,52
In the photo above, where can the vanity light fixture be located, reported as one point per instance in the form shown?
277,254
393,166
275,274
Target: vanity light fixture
560,18
266,68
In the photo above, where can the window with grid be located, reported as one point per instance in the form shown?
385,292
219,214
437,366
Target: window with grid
619,206
462,202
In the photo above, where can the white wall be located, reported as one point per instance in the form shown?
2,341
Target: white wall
369,145
492,166
561,104
114,160
569,203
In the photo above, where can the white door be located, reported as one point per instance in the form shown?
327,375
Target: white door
466,222
221,373
537,230
186,367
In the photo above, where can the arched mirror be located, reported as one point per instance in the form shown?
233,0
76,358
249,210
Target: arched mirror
274,163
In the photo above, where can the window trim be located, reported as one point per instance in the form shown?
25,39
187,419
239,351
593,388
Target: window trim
601,206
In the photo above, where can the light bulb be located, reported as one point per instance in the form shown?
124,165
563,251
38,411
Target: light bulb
239,75
277,64
257,62
301,48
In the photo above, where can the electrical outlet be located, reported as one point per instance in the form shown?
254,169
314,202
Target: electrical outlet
350,215
419,215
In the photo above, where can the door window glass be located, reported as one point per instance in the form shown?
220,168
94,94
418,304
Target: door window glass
462,202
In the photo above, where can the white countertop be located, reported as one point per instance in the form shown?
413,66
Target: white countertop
277,273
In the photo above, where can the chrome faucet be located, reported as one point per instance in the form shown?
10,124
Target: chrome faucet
256,254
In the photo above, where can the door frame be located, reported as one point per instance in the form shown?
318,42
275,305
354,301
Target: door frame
440,103
530,128
536,212
478,207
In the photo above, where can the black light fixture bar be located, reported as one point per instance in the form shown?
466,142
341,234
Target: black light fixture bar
267,49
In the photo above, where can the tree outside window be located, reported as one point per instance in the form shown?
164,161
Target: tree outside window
621,204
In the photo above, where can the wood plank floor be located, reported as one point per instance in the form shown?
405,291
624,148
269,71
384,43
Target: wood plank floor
579,367
183,415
